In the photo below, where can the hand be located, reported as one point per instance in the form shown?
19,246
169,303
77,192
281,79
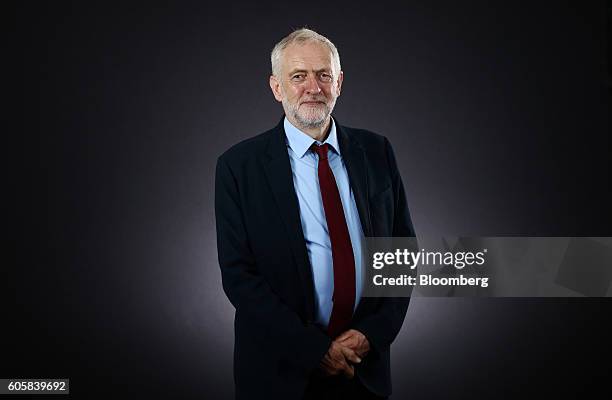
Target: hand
337,360
355,341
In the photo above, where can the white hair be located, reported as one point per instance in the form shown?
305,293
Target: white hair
302,36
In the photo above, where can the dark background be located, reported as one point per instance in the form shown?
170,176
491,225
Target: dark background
498,114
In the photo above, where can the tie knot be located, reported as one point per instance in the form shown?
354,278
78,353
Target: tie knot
320,150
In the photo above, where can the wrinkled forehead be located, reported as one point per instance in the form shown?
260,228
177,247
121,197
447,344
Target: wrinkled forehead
308,56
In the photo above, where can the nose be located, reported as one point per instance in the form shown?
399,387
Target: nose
312,87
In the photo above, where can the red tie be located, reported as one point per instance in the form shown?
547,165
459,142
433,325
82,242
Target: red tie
342,250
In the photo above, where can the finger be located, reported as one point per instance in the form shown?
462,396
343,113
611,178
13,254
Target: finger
336,356
350,355
329,365
345,335
349,344
337,369
348,341
349,372
329,371
332,364
338,363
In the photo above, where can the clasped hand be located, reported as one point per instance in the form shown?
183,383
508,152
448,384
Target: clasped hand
347,349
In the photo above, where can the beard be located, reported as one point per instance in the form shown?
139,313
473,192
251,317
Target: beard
309,115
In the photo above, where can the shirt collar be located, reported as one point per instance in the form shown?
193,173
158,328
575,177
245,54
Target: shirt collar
300,142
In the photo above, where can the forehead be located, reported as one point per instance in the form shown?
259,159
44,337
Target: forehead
308,56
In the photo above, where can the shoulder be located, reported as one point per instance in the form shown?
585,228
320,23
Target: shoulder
368,140
247,149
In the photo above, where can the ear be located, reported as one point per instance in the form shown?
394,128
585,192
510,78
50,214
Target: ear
276,89
340,79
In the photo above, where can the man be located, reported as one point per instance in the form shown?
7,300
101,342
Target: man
293,206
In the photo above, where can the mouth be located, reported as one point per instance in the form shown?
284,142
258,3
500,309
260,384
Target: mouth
313,102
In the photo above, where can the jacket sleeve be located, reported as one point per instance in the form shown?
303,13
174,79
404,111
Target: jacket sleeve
272,321
382,327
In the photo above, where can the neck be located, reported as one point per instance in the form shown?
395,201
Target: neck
319,134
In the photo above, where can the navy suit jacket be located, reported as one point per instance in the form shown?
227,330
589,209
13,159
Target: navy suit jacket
265,268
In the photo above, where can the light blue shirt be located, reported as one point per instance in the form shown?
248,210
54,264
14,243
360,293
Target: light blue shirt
304,164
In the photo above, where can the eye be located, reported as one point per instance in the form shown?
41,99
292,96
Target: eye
325,77
297,77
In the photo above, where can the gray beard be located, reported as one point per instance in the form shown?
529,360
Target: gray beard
312,121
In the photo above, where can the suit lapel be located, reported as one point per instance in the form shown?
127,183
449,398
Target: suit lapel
354,159
278,173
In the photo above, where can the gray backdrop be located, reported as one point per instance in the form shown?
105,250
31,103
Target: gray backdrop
498,114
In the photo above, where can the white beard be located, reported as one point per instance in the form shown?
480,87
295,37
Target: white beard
308,116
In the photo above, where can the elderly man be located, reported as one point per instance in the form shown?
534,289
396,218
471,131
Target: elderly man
293,206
